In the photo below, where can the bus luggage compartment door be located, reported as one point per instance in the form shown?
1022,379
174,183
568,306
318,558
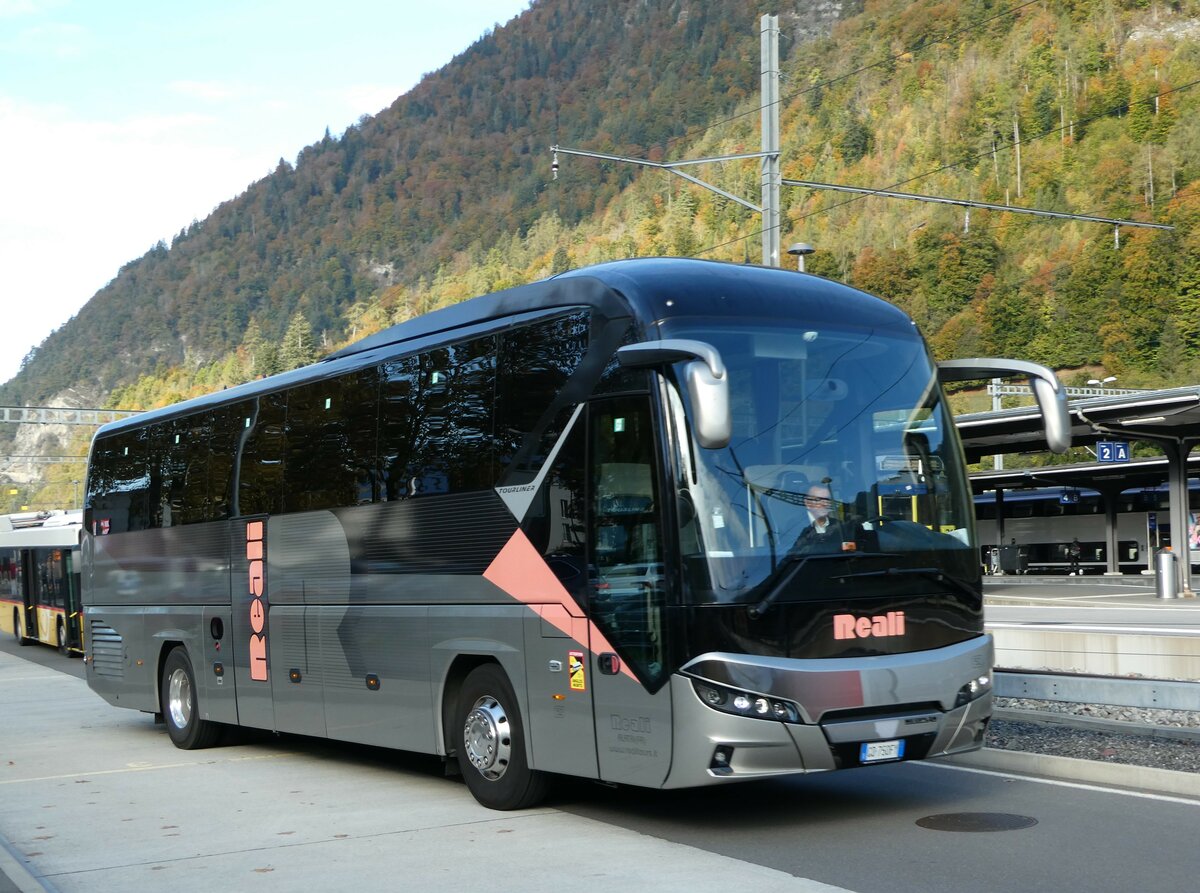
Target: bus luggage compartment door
561,724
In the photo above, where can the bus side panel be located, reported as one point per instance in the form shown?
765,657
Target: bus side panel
560,721
307,565
10,610
633,729
48,619
117,668
214,668
476,632
295,671
375,668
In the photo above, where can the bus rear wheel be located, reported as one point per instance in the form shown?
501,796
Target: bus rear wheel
180,706
17,637
491,743
62,639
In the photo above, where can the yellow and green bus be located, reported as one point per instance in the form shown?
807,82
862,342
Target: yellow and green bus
39,580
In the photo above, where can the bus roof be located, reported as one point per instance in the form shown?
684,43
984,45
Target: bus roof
38,537
646,289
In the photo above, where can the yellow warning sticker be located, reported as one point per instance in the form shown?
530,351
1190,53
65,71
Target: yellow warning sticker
575,666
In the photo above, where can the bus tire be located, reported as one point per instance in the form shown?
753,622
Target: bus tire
181,707
20,639
491,743
62,639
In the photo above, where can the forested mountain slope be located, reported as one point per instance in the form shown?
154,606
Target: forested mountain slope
448,193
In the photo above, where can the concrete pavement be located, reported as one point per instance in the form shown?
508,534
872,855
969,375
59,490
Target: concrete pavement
96,798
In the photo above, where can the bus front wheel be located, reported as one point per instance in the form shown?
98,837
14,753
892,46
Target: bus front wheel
180,707
62,639
17,637
491,743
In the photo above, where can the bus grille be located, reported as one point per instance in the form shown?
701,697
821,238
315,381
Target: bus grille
107,651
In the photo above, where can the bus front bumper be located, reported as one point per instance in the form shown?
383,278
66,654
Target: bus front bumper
843,712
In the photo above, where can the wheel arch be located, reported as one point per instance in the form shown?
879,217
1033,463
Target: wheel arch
166,646
460,668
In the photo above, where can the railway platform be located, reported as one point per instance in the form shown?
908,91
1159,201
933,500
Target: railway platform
1106,626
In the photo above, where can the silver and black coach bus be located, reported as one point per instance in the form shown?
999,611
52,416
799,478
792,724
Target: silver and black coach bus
560,529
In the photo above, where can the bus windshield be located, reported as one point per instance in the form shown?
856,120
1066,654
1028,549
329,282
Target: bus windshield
843,468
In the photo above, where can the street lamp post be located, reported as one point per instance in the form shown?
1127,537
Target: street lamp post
798,250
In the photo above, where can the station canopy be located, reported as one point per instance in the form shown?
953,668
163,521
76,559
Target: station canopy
1171,416
1168,418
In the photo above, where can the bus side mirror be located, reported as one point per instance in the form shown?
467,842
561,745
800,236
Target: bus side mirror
1047,389
704,376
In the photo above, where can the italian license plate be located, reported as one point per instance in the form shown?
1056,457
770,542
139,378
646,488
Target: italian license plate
877,751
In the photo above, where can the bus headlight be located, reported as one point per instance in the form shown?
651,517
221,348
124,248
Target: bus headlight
744,703
976,688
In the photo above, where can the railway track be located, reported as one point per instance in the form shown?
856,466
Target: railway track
1130,706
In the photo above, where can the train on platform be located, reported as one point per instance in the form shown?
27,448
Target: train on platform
1041,523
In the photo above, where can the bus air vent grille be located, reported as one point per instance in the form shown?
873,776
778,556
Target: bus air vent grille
107,651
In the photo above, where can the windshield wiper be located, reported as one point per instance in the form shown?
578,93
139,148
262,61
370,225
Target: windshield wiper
935,573
792,564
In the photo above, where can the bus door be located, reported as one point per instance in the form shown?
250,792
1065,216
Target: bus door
30,575
73,606
628,667
248,643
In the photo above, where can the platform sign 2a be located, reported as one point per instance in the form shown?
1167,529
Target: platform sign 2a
1112,451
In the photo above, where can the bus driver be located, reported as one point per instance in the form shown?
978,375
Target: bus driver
823,533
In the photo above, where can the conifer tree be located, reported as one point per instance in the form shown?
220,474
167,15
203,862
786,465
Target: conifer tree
262,358
298,348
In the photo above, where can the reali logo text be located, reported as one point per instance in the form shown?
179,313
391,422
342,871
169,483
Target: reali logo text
256,536
847,626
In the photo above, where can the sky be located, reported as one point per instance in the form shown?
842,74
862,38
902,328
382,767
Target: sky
123,121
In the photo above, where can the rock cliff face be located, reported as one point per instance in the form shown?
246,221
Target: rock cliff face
812,19
18,464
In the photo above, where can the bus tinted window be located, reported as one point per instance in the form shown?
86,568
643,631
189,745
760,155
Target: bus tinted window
10,573
535,363
330,435
225,439
181,447
399,387
260,466
120,481
454,435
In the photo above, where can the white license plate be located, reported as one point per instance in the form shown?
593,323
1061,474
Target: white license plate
875,751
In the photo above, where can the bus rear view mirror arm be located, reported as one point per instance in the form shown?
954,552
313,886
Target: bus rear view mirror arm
1047,389
705,378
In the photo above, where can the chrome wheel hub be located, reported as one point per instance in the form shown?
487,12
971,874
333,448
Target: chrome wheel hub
179,699
487,738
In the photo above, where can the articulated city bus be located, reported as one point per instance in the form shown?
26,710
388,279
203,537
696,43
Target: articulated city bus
39,580
561,530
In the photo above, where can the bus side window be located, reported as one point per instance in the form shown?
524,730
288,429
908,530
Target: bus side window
399,412
453,438
536,360
120,482
260,462
330,435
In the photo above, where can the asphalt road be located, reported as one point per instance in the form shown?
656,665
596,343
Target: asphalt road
95,798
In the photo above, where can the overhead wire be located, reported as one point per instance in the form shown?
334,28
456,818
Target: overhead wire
1006,146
